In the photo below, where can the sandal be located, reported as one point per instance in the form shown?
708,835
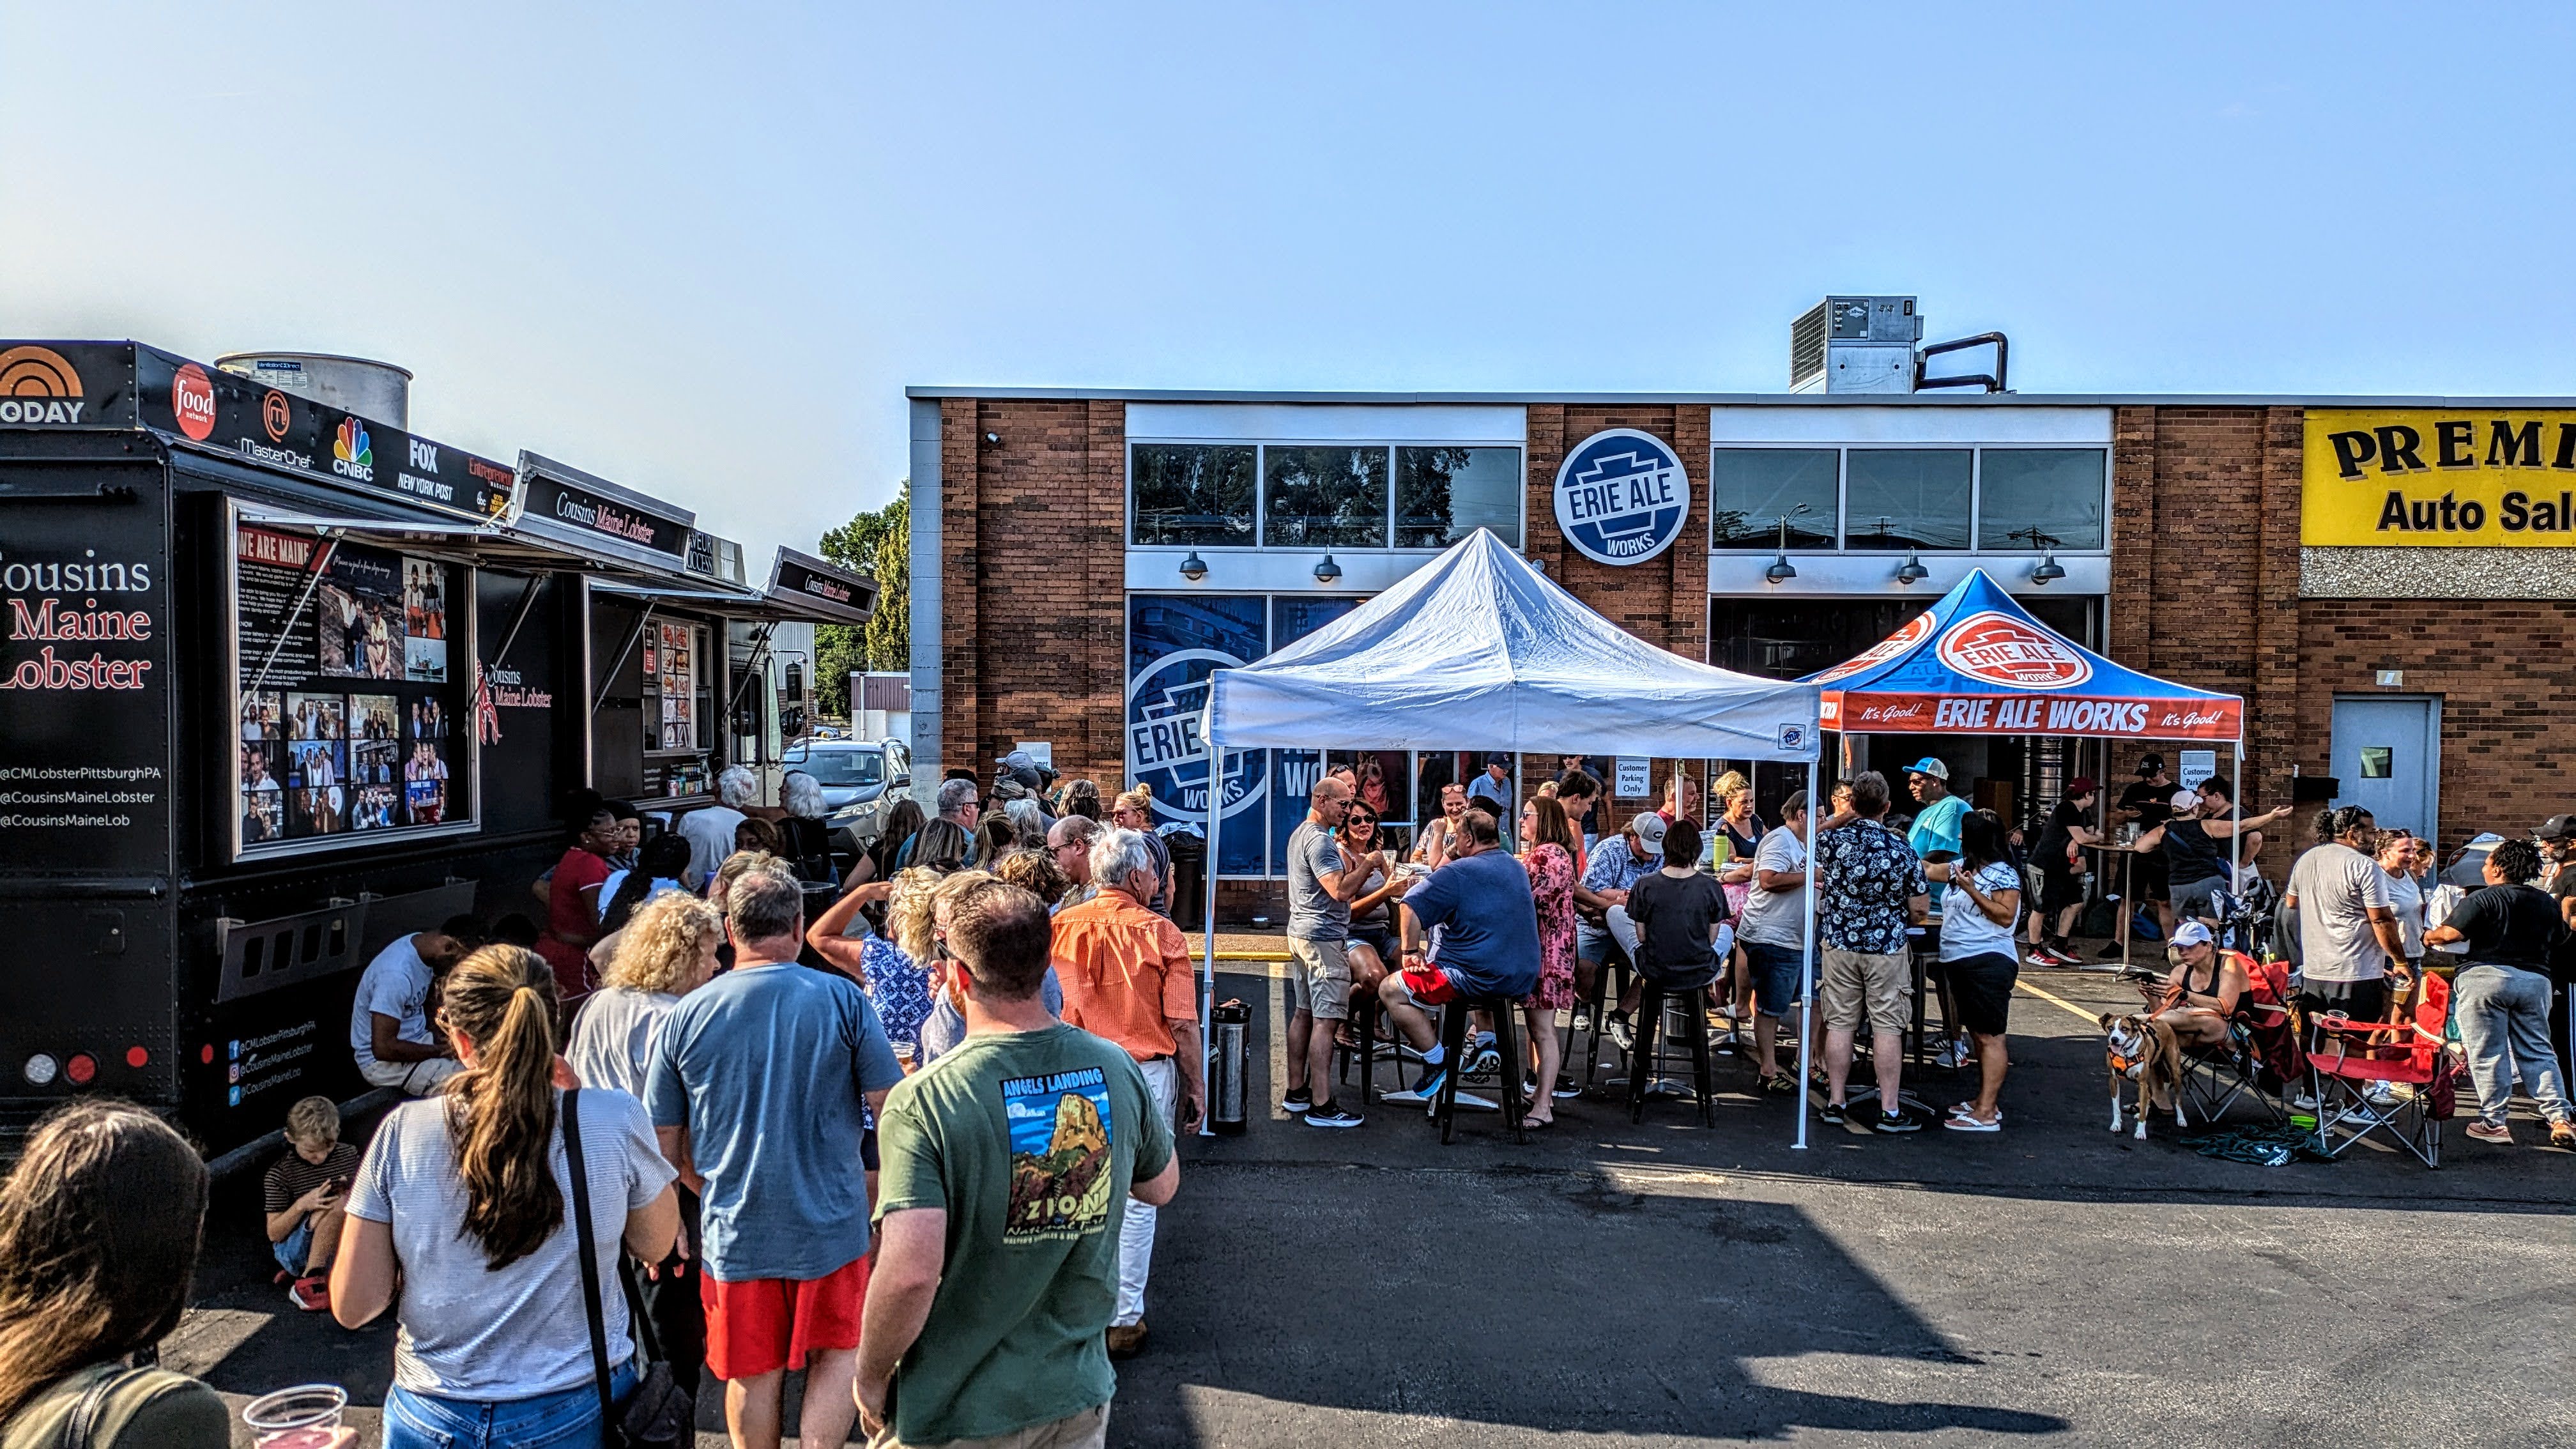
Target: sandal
2562,1134
1962,1122
1777,1085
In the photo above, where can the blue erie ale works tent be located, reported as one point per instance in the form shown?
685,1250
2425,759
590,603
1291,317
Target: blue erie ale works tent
1477,650
1977,663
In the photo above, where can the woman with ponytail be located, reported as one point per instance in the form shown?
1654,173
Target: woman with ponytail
467,1199
99,1228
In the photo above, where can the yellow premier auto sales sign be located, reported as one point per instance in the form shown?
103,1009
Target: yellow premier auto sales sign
2432,478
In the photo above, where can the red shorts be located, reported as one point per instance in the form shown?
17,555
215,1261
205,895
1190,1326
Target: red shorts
1428,985
761,1325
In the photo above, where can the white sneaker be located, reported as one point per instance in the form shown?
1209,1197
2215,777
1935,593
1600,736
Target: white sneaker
2381,1094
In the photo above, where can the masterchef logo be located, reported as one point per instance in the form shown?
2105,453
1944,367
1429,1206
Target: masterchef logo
1916,630
275,415
2000,649
192,401
37,386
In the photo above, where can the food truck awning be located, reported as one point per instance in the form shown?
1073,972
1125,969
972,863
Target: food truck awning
589,517
484,543
815,590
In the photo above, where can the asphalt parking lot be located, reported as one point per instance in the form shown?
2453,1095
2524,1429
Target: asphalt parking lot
1662,1283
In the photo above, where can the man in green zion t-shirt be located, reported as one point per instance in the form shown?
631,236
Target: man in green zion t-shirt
1007,1166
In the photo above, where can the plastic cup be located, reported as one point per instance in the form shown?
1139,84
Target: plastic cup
304,1417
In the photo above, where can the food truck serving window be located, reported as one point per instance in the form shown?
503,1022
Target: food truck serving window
353,686
676,685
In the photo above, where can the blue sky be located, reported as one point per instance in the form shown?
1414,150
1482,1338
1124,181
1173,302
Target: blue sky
702,249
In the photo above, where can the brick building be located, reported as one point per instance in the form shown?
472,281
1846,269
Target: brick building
2382,579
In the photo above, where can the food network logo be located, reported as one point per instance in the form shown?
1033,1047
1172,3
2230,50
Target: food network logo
353,453
1164,749
1621,496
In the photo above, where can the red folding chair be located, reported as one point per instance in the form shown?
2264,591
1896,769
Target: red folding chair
2347,1056
2261,1057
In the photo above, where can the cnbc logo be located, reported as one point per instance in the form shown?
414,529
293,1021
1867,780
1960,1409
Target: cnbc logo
352,453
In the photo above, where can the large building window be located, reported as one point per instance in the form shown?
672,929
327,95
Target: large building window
1191,493
1751,489
2040,498
1325,497
1444,494
1322,496
1900,498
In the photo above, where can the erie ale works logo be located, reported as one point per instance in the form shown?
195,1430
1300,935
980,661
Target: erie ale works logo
1621,496
2418,477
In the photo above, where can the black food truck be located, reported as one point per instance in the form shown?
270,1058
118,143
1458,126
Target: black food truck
283,684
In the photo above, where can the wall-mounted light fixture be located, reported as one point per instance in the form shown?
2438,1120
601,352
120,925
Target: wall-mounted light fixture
2049,570
1780,572
1194,568
1912,571
1328,572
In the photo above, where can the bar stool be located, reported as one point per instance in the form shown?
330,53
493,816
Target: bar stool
1365,1016
1643,1062
1598,1006
1453,1042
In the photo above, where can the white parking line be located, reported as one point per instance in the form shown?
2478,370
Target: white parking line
1278,1048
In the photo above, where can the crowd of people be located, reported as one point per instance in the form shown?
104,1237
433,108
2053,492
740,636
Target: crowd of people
902,1124
709,1075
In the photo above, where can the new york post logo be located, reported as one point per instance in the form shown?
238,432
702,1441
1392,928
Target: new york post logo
1164,749
1621,496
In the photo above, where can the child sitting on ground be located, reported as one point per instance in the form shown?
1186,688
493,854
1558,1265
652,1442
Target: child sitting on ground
303,1195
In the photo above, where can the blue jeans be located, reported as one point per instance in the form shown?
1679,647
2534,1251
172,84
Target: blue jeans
292,1253
565,1420
2503,1016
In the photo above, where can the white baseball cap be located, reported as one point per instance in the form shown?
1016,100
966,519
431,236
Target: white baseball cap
2191,933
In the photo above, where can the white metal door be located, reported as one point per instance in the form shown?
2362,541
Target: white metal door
2387,752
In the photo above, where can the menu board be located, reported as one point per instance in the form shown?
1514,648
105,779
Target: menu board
672,665
346,704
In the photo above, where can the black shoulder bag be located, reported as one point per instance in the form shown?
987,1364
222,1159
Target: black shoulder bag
659,1412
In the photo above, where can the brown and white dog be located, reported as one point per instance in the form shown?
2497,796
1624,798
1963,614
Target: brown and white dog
2139,1048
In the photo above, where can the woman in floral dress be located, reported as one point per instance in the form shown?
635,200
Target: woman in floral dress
1547,853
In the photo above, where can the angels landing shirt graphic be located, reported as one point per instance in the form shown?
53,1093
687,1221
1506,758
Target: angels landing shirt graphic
1061,1163
1997,648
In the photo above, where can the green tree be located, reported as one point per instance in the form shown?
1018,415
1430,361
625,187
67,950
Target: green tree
877,542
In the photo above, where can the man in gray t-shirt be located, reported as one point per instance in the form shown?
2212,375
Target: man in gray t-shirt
1314,913
1321,886
2348,935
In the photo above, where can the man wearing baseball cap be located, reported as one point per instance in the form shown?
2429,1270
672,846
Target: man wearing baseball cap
1935,835
2060,858
2557,837
2147,803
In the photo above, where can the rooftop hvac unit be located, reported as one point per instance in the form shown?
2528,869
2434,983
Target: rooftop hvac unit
1855,344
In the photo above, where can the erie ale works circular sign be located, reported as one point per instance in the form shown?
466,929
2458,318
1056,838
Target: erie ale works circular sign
1621,495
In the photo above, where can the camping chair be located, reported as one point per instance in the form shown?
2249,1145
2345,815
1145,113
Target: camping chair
2261,1057
2348,1056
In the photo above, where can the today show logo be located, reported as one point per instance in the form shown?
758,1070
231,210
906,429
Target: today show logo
1621,496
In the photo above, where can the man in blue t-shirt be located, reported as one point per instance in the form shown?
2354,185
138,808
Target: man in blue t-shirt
1484,939
1935,835
762,1085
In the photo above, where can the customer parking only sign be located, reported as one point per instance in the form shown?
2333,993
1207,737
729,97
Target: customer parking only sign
1621,496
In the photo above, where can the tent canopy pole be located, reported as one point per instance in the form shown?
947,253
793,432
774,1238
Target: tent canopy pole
1207,967
1806,953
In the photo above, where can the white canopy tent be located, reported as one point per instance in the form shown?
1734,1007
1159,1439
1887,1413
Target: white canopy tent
1477,650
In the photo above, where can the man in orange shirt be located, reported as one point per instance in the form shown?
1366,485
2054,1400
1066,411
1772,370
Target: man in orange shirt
1127,980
